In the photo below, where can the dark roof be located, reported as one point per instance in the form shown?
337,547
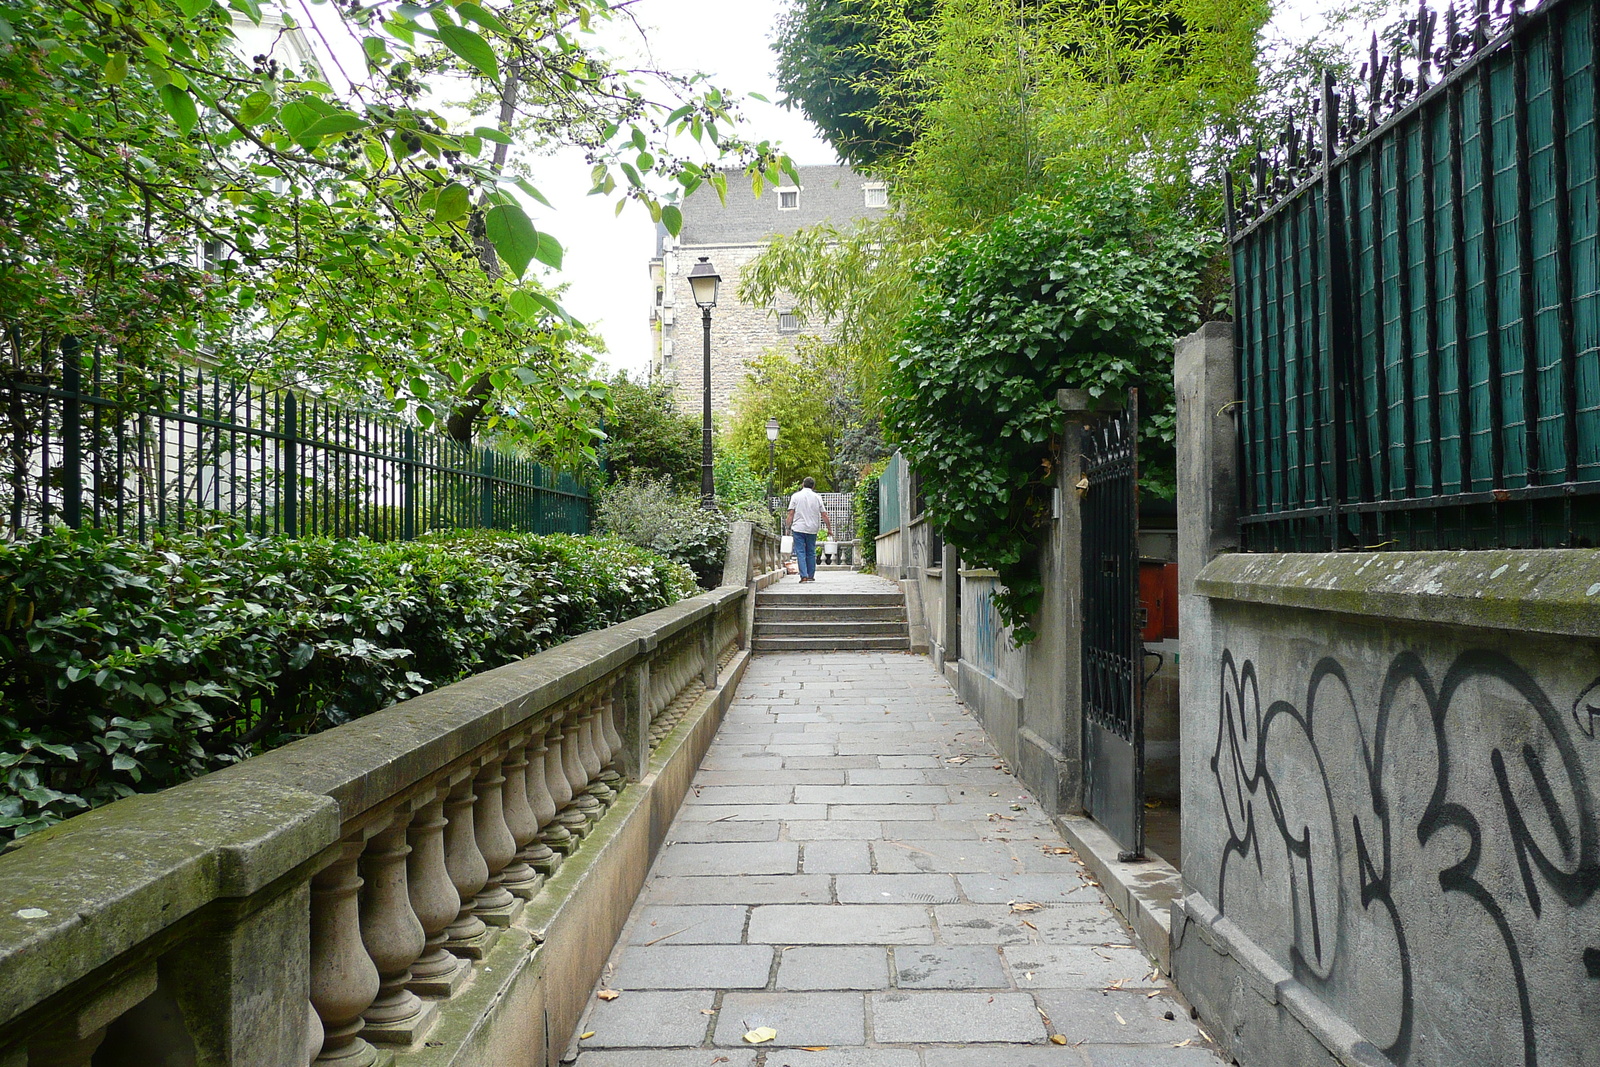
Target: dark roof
833,194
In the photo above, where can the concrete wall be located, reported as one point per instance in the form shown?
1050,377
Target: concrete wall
1391,838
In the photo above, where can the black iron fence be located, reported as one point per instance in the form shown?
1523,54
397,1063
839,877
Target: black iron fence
131,450
1417,287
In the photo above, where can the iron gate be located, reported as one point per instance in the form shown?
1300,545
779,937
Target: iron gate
1113,693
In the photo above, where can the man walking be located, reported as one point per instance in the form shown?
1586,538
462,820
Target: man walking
806,516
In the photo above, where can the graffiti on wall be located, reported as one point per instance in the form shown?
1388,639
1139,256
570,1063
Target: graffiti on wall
1422,851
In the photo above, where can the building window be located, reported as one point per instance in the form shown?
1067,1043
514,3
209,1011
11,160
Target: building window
788,322
877,194
660,294
788,199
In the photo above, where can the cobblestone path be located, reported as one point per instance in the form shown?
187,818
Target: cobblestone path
853,870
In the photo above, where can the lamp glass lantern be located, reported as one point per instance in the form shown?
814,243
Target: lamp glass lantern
772,429
703,283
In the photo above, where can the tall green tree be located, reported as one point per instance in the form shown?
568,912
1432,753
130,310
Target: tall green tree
647,437
795,391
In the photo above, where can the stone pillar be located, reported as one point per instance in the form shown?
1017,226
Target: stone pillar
636,713
611,739
344,980
438,972
708,652
1068,745
950,604
1206,380
571,823
577,776
519,877
393,935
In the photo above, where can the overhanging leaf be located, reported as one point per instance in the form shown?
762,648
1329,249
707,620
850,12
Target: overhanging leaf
513,236
471,47
180,105
453,202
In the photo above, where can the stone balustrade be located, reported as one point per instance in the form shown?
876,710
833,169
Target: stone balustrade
334,901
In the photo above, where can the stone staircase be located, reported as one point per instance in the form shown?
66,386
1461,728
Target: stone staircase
791,619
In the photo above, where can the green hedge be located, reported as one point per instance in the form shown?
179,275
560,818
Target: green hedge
128,667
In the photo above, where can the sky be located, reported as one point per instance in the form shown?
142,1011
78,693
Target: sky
607,257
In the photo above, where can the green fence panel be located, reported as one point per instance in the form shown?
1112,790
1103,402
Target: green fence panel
1418,298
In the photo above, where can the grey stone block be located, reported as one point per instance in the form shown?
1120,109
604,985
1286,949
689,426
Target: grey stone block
840,924
896,889
828,763
846,1057
1102,1017
1076,967
761,857
1040,888
799,1018
804,967
694,967
871,794
890,777
740,794
935,1017
649,1020
735,889
751,812
1150,1056
784,776
837,857
844,830
732,830
875,812
706,924
951,967
946,857
1004,1056
931,830
664,1058
1053,924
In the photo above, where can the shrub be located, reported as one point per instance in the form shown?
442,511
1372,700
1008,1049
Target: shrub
866,511
129,667
648,513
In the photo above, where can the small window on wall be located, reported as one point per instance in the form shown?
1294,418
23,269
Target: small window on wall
788,199
788,322
877,194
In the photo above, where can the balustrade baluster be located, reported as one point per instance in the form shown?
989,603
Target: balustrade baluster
572,762
610,740
567,815
344,980
590,753
494,903
553,837
519,877
439,972
468,936
393,936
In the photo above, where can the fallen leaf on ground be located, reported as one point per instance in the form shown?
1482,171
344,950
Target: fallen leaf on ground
720,1059
1184,1043
1117,984
708,1011
760,1034
1120,1019
957,760
1055,850
1025,905
1029,925
818,1048
1057,1039
608,994
586,1036
1152,993
994,794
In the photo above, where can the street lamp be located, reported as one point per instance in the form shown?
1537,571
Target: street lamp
703,281
772,455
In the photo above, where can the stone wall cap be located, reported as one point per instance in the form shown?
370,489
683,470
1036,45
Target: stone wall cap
1550,591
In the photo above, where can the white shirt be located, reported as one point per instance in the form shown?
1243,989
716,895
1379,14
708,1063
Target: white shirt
807,508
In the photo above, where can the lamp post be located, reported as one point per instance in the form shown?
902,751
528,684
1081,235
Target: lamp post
772,455
703,281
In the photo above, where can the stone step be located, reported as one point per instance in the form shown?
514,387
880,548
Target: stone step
835,627
800,613
808,598
759,643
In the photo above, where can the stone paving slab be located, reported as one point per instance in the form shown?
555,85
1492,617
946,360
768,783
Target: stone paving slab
847,870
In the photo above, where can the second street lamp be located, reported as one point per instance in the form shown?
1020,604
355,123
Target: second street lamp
772,454
703,282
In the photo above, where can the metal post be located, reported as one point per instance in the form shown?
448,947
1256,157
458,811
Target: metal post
486,491
289,466
408,487
708,494
71,434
